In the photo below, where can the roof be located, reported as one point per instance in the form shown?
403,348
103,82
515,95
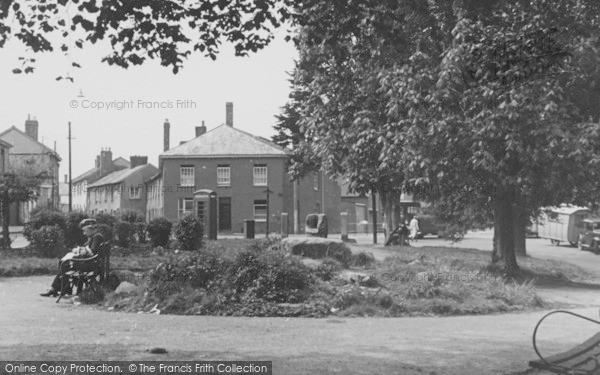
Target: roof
567,209
118,176
153,178
5,144
226,141
33,146
85,175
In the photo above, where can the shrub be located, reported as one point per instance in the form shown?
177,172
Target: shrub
106,232
73,234
318,250
92,295
328,269
140,229
107,219
48,240
189,231
362,259
132,216
124,233
159,231
44,217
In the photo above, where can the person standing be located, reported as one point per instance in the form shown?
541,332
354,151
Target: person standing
414,228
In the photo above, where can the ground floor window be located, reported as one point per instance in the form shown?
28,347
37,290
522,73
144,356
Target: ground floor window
260,210
185,206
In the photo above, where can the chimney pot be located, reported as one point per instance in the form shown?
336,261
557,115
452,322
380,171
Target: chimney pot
229,113
200,130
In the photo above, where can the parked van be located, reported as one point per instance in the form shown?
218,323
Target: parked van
562,224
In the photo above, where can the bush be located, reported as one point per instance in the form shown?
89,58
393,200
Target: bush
44,217
189,231
159,231
319,250
73,234
92,295
140,230
132,216
124,233
106,219
48,240
362,259
106,232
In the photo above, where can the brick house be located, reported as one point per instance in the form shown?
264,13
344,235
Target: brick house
240,168
103,165
121,190
28,153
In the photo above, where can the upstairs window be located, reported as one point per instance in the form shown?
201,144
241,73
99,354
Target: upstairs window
223,175
186,176
260,175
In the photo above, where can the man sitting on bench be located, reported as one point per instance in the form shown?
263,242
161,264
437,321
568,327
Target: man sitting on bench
95,239
399,236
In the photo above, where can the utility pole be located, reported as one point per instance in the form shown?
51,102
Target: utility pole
70,178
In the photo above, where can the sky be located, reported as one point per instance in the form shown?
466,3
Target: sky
257,85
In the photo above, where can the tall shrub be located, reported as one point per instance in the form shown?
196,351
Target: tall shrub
124,231
48,240
189,231
138,223
73,234
44,217
159,231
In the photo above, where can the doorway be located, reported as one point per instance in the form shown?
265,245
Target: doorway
224,214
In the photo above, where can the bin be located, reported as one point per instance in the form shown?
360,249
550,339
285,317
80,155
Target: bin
248,228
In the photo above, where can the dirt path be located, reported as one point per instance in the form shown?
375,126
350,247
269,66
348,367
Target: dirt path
37,328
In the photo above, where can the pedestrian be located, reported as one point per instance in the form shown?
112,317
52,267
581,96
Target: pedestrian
91,247
414,228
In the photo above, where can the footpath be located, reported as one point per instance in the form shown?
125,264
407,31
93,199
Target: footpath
36,328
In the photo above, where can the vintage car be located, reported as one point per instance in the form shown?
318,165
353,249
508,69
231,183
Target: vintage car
429,224
589,235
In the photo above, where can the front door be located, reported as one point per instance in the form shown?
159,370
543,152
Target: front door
224,214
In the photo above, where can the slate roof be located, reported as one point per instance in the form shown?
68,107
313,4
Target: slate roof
226,141
85,175
33,147
118,176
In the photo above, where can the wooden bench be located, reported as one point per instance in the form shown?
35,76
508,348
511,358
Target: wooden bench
85,272
583,359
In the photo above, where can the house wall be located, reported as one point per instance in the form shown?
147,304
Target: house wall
242,191
154,199
105,199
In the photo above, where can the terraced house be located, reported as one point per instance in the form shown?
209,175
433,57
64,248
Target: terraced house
249,176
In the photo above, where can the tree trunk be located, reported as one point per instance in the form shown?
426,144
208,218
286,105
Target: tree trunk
519,224
497,250
390,205
503,218
5,222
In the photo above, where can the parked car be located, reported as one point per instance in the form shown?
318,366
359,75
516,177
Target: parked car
589,236
429,225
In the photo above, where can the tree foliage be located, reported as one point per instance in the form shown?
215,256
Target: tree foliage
166,30
481,107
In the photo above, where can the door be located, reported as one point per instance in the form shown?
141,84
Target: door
224,214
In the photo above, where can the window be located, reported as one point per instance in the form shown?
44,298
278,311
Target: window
260,210
223,175
260,175
185,206
134,192
316,180
186,176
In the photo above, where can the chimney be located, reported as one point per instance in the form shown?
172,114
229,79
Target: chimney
136,161
200,130
31,127
97,162
106,162
229,113
167,127
66,179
